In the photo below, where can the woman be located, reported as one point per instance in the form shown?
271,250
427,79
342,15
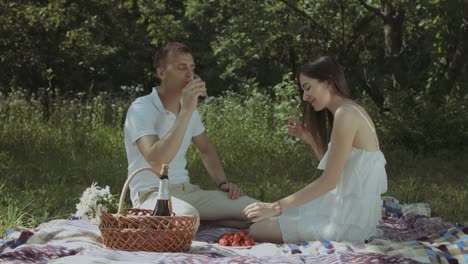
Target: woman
344,203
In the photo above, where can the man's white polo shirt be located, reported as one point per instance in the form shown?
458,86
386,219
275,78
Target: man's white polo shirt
147,116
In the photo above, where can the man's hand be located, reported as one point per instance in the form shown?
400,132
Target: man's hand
234,192
257,212
190,94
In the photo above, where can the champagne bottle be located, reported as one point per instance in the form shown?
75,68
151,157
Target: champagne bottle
162,207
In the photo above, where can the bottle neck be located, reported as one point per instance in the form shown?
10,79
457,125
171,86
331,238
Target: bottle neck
163,188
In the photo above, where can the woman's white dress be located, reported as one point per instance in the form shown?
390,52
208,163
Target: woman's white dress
350,212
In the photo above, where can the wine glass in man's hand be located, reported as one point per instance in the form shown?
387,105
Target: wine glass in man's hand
202,97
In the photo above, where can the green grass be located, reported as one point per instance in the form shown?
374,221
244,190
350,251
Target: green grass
46,164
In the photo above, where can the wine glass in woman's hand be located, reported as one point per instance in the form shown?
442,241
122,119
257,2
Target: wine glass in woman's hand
295,130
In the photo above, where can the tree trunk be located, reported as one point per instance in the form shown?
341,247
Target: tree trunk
456,61
372,90
458,58
392,15
292,60
393,18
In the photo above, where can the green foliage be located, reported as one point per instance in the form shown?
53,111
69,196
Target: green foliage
86,45
423,127
45,164
408,69
103,44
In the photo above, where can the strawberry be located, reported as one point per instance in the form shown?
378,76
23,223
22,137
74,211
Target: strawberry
223,242
247,242
242,234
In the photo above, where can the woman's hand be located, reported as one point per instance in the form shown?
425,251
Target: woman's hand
257,212
296,129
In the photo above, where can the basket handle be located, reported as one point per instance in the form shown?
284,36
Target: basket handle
127,182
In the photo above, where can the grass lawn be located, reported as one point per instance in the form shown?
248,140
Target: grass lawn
46,165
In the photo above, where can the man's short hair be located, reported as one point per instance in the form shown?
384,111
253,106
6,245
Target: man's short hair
163,52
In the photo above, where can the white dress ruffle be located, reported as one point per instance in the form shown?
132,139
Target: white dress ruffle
350,212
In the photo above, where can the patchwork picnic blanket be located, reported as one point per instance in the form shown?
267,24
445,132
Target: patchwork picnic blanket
410,236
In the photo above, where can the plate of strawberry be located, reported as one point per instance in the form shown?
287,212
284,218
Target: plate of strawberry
235,240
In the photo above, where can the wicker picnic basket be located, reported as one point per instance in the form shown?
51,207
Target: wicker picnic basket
138,230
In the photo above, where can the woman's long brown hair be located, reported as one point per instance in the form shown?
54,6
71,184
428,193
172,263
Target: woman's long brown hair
319,124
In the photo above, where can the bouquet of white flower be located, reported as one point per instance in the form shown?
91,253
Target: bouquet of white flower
93,202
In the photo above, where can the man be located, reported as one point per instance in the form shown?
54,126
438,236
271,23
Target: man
159,129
